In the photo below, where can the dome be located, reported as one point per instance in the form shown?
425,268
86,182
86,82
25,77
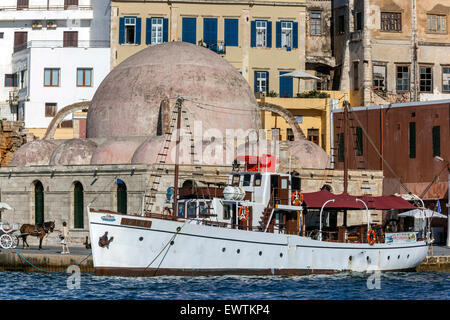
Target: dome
73,152
115,151
307,154
34,153
127,103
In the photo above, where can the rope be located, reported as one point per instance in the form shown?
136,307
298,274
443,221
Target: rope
25,259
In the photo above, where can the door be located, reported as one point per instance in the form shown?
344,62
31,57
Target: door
38,203
286,84
78,206
284,190
121,197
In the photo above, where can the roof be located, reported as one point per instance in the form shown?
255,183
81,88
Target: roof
346,201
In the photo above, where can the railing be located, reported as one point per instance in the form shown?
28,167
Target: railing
63,44
218,47
46,8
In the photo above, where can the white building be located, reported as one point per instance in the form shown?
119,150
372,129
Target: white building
53,53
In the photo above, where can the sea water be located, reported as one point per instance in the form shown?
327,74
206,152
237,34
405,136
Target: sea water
343,286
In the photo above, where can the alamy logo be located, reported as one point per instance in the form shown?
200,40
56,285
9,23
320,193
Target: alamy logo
74,280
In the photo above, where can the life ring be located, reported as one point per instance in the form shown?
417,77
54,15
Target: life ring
297,198
243,217
166,211
371,237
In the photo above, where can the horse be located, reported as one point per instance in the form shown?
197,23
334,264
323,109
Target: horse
39,231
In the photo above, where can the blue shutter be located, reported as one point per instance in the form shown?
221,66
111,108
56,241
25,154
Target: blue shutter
253,34
231,32
295,37
278,34
254,81
189,32
210,32
138,30
269,34
267,74
148,31
165,30
121,30
286,85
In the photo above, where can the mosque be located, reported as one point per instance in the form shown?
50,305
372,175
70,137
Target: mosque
126,141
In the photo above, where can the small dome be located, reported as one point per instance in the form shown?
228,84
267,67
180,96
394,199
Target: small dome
73,152
34,153
308,155
115,151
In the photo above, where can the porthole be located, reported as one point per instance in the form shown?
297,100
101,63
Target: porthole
238,251
281,255
407,257
398,257
141,238
350,258
260,253
223,249
389,257
172,242
368,259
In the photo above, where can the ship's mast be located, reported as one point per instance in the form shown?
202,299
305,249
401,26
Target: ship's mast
346,147
178,106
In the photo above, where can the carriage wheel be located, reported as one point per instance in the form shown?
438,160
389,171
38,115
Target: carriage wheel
15,242
6,241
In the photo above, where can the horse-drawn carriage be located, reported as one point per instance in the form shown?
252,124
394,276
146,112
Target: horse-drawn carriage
7,239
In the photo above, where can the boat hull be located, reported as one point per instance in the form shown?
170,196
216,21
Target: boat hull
154,247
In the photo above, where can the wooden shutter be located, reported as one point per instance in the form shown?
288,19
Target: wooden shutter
210,31
121,30
231,32
138,30
20,38
148,31
278,34
70,39
189,30
269,34
165,30
253,34
295,34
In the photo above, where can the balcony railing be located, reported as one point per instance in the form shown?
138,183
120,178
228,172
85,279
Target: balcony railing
46,8
217,47
62,44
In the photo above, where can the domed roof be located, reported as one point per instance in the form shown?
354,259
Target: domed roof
115,151
73,152
127,103
308,155
34,153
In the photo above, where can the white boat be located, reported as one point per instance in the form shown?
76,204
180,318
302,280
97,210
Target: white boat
253,226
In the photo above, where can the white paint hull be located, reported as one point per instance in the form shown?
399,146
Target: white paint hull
199,249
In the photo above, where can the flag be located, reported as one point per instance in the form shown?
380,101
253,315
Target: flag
438,207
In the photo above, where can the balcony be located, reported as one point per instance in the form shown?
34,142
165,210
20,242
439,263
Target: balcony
218,47
52,44
54,10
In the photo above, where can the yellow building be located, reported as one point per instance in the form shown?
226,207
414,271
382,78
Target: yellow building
262,39
311,114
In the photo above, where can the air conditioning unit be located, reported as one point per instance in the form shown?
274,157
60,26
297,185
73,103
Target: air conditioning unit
51,24
36,24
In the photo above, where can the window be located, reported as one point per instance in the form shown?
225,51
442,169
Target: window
181,206
2,35
78,206
426,79
191,210
341,24
157,30
286,34
358,21
84,77
261,33
189,33
412,140
379,78
359,141
437,23
436,141
402,78
313,135
236,178
130,30
261,81
122,196
258,178
226,211
356,75
51,77
231,32
20,40
70,39
50,109
315,25
247,178
391,21
23,79
11,80
446,79
68,3
22,4
290,134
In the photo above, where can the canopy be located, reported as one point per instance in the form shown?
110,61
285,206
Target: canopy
300,75
344,201
418,213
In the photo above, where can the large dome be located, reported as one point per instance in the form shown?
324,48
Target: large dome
127,103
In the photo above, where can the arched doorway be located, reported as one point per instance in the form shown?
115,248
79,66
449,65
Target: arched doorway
78,206
38,203
121,196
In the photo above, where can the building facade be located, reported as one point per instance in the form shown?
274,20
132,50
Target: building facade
392,51
53,53
262,39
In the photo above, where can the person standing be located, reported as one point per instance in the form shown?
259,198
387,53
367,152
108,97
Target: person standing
64,236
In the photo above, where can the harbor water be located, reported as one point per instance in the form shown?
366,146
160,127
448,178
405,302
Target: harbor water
344,286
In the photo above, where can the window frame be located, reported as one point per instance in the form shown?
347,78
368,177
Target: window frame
260,79
443,80
261,36
159,30
287,39
391,21
420,79
84,77
51,77
53,113
11,80
129,24
439,17
315,23
401,87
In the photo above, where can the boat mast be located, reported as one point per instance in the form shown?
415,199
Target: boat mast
178,106
346,147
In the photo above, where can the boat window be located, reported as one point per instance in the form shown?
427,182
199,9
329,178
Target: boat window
227,212
181,206
203,208
191,209
257,182
284,183
236,178
247,178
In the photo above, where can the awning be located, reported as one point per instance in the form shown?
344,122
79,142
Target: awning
419,213
344,201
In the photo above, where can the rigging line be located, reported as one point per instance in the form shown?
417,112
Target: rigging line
222,108
104,190
379,154
243,112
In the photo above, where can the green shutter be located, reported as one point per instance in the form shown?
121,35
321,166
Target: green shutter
341,147
436,141
78,206
412,140
38,203
121,197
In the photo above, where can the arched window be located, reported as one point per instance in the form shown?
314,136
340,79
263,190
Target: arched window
38,203
78,206
121,196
